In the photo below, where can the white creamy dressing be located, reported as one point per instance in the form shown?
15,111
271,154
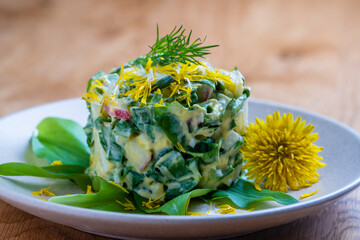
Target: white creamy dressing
139,149
237,78
149,188
98,161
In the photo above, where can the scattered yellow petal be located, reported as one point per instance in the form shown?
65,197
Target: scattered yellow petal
159,105
175,89
194,214
88,190
180,147
119,186
226,209
218,75
153,204
97,85
44,191
139,81
128,205
208,212
43,199
56,162
249,210
305,195
120,80
257,187
148,65
91,97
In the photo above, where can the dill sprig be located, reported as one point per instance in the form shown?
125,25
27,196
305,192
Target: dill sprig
177,47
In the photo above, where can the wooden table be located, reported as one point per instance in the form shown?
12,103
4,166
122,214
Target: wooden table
304,53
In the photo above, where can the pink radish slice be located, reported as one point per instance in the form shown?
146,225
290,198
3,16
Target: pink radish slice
120,113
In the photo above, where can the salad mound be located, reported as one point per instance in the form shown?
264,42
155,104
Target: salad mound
165,123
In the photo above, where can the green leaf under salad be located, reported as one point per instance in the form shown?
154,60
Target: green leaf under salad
243,193
107,197
73,172
61,139
176,206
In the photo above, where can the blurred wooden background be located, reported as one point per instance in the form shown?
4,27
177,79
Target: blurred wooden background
301,53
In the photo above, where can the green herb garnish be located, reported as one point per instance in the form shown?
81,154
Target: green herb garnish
177,47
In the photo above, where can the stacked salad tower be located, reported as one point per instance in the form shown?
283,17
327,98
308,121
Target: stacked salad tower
167,123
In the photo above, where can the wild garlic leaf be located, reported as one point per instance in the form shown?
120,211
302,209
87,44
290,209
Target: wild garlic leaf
73,172
104,198
61,139
243,193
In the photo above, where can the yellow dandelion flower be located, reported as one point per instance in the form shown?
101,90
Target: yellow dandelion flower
280,153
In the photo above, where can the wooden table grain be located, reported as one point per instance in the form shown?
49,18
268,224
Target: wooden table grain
301,53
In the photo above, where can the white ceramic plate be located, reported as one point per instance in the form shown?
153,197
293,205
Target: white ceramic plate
341,175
